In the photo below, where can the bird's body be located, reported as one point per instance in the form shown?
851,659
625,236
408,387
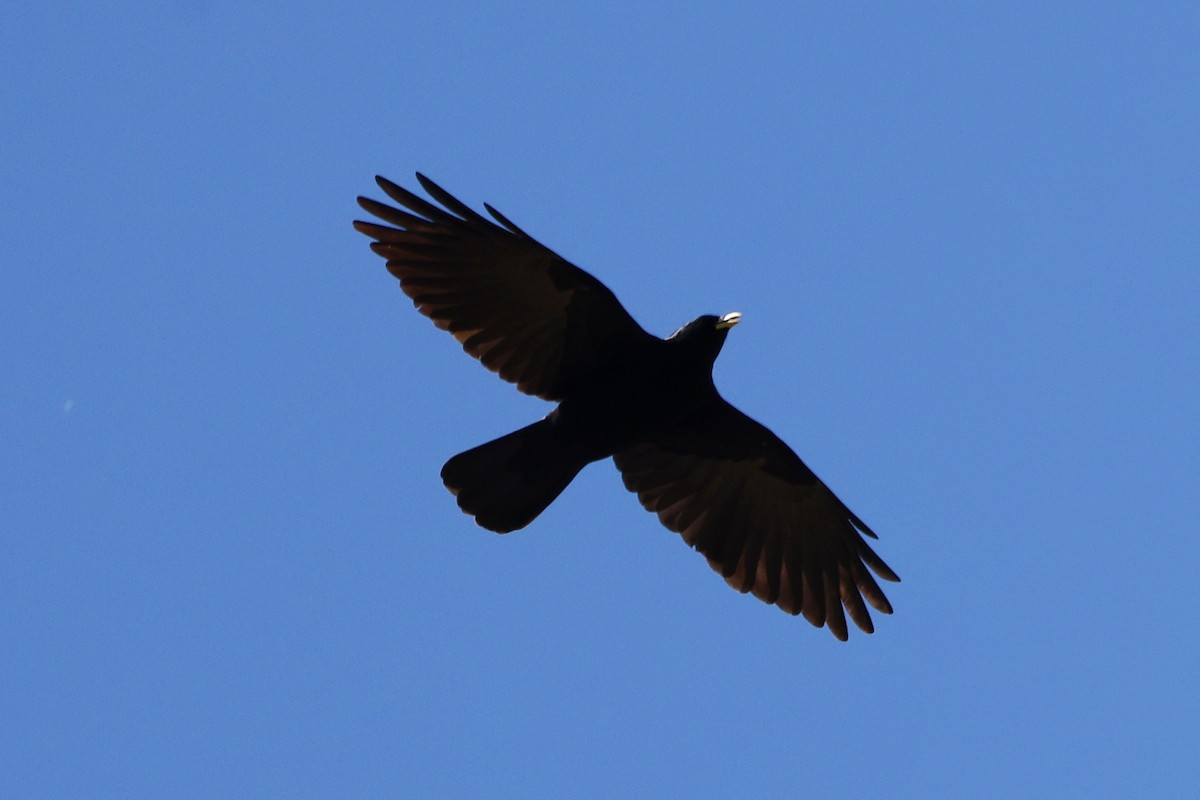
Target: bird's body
644,391
634,397
733,490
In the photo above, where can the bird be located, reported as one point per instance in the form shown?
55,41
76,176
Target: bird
732,489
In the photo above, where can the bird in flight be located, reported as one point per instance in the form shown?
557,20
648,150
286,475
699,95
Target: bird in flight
731,488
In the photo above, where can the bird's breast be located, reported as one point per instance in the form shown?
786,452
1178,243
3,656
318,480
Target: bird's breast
626,406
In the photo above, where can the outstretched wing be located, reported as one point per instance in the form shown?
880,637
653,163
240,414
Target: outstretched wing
526,313
763,520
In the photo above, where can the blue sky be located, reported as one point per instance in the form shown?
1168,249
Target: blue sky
964,238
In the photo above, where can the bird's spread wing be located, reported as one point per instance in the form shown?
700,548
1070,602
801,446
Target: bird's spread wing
525,312
763,520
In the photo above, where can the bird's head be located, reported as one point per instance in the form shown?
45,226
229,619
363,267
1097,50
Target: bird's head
706,334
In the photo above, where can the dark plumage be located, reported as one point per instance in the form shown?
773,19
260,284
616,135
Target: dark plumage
729,486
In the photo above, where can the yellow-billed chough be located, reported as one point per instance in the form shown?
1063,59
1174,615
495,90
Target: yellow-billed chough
729,486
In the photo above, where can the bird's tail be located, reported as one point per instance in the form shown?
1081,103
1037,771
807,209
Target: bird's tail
506,483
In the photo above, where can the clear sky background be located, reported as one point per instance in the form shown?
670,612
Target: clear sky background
965,241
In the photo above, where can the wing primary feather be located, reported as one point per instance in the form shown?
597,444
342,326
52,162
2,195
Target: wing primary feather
756,539
814,592
869,589
393,215
450,201
852,599
834,616
507,223
858,523
416,204
876,563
